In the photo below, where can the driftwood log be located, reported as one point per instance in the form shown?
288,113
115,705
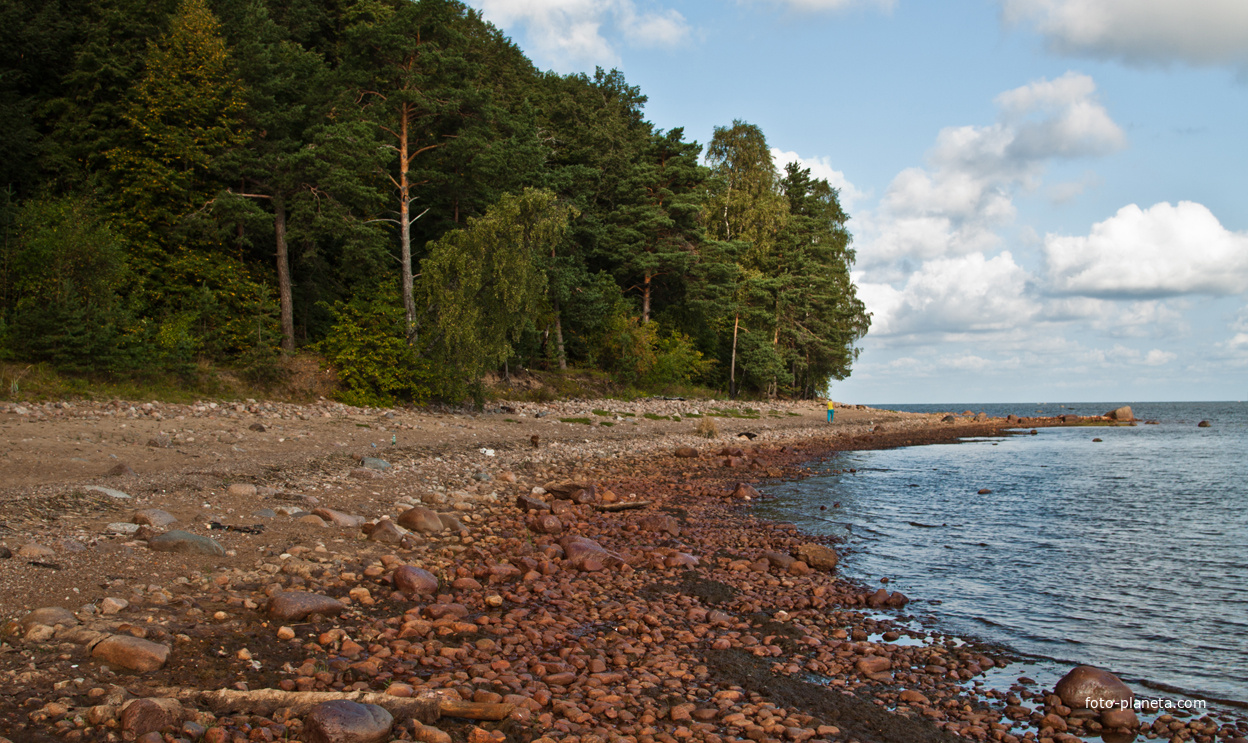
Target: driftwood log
625,506
425,708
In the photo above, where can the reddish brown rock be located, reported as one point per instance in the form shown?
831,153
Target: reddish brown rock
142,716
1088,687
818,556
420,519
131,653
870,664
545,523
687,452
744,491
779,560
530,503
295,606
1120,718
342,721
587,555
1121,414
338,518
659,522
386,532
415,581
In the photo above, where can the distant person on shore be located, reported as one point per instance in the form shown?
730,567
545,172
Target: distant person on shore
831,412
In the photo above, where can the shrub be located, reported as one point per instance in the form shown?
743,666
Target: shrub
367,348
706,427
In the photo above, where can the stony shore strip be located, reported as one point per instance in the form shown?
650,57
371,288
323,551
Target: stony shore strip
531,574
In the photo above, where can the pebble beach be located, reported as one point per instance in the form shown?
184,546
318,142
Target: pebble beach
583,571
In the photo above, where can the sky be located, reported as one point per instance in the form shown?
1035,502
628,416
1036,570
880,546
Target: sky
1049,198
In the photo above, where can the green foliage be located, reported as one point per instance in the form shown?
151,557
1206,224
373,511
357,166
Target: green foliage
582,421
367,348
482,286
63,269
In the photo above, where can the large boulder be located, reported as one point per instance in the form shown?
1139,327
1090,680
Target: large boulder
413,580
587,555
295,606
186,543
1121,414
131,653
818,556
142,716
343,721
1088,687
421,519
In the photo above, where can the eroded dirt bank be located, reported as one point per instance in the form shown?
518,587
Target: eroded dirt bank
397,553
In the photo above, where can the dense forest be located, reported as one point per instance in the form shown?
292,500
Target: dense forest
392,186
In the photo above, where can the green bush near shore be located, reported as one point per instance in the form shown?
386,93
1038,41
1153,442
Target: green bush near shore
582,421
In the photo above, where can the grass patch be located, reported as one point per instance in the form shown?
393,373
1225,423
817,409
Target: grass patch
795,415
510,420
747,413
582,421
693,415
604,413
608,424
656,417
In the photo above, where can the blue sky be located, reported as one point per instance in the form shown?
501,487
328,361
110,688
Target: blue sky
1049,198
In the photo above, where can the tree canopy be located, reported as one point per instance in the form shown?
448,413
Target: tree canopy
391,184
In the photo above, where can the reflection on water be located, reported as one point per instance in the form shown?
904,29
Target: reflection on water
1128,553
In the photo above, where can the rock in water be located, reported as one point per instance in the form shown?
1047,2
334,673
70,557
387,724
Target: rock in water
1204,424
1121,414
131,653
818,556
342,721
185,543
1088,687
294,606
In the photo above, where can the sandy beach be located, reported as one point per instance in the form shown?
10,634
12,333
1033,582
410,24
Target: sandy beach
568,571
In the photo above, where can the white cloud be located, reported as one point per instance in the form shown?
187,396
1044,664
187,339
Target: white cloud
1197,32
963,294
573,34
1161,251
958,202
821,167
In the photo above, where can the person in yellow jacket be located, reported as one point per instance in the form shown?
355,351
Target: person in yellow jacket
831,412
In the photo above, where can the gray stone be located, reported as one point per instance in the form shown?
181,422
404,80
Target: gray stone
265,513
343,721
121,527
1121,414
153,517
294,606
185,543
110,492
374,463
242,490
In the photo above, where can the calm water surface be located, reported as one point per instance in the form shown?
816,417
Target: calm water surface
1130,554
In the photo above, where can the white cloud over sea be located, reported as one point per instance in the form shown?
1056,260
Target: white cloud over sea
1165,250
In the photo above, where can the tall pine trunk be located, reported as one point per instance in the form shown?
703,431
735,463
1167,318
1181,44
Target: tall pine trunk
405,229
645,298
283,274
732,371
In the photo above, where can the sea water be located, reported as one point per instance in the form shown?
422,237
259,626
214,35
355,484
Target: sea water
1130,553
